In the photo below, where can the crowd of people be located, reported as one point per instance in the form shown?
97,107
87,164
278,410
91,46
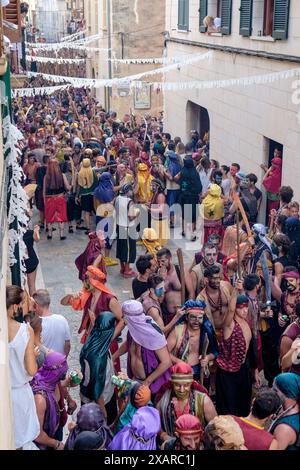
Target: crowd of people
213,349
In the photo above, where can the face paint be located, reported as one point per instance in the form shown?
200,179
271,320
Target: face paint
292,284
182,390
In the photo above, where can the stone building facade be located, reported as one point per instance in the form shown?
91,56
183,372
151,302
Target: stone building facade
131,29
246,123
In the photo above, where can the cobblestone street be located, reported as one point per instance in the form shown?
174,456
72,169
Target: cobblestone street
58,274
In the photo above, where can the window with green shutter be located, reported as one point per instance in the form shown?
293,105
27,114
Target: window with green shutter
281,19
246,9
226,11
183,15
202,14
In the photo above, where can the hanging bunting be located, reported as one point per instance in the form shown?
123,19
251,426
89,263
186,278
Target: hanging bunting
81,82
54,60
56,46
30,92
73,36
18,197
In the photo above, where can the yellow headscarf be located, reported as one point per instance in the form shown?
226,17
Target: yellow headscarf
213,203
85,175
150,241
144,179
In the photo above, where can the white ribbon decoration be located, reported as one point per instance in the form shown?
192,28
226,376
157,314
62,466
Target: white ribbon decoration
56,46
54,60
18,197
81,82
19,92
73,36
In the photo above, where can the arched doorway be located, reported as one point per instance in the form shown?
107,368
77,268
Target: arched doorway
197,119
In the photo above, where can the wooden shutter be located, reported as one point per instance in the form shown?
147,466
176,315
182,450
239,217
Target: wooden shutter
281,19
183,14
202,14
246,9
226,11
12,13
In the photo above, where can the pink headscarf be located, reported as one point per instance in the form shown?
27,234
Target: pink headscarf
272,182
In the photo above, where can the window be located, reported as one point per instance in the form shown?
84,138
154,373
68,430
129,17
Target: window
264,18
183,15
220,9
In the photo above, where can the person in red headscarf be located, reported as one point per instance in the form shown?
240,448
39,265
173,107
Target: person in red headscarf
94,298
272,183
182,395
189,434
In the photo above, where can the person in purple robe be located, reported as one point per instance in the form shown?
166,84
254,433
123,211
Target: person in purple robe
92,255
140,434
90,418
148,359
46,394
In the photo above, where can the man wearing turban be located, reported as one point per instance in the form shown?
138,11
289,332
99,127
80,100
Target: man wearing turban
94,298
189,434
148,357
183,395
237,361
186,341
286,426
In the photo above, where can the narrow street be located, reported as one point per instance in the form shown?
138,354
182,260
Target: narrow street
58,274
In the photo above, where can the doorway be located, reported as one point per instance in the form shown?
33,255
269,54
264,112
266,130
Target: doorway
197,119
275,149
272,149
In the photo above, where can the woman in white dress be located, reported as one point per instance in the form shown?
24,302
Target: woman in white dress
23,366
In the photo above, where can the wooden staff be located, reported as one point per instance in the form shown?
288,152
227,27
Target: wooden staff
182,275
238,243
239,206
203,354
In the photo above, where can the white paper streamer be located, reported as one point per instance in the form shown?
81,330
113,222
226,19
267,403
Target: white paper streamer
73,36
81,82
149,60
18,197
19,92
212,84
54,60
56,46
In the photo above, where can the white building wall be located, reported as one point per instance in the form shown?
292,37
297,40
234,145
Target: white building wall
240,117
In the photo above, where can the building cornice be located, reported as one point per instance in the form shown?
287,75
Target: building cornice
236,50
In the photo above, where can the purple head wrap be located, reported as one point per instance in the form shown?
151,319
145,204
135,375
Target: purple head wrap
45,380
90,417
141,433
143,330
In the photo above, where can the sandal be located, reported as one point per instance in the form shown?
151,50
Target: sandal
128,274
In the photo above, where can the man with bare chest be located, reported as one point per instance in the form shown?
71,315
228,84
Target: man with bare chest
216,294
186,341
148,356
237,359
171,276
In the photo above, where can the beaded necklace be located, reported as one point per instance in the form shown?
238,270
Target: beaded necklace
217,306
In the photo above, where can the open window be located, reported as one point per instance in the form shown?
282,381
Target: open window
220,11
264,18
263,12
